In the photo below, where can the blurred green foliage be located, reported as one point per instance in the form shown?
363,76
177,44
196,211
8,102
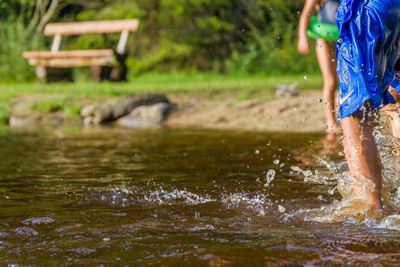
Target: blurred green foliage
225,36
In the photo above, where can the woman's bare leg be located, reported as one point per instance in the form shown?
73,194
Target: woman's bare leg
393,113
363,160
327,63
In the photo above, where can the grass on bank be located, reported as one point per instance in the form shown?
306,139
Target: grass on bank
66,96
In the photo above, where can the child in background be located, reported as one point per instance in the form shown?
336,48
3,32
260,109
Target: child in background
325,50
367,50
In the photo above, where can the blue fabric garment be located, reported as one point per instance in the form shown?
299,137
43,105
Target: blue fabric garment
367,50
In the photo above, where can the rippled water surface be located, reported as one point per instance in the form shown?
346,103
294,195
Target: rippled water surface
168,197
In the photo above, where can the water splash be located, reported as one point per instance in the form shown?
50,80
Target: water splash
338,176
269,177
258,203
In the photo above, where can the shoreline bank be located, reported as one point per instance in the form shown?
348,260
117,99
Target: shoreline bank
223,110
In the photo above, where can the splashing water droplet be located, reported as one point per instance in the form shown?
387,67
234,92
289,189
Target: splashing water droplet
270,176
196,214
281,209
305,78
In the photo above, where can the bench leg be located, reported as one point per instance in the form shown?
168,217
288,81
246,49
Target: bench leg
41,73
119,72
115,73
96,73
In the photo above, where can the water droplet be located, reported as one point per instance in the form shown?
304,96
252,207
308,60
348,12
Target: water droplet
332,191
106,239
305,78
257,152
281,208
276,161
270,176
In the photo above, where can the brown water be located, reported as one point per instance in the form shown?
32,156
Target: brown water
169,197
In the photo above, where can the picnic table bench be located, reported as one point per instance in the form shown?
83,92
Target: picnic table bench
94,58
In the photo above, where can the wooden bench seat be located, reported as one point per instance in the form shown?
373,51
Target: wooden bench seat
72,58
95,58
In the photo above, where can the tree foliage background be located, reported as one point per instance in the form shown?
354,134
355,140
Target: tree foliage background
228,36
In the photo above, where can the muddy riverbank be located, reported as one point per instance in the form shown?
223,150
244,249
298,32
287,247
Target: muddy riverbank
301,113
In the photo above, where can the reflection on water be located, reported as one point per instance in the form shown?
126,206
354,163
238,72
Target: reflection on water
118,196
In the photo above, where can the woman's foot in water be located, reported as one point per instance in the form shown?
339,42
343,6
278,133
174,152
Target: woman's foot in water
360,201
363,198
350,208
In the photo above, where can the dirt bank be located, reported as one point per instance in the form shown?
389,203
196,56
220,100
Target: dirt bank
302,113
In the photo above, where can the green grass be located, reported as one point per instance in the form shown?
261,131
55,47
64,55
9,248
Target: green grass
68,104
162,83
67,95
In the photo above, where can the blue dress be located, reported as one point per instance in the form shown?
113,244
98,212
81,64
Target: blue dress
367,50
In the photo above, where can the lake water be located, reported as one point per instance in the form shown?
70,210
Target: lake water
169,196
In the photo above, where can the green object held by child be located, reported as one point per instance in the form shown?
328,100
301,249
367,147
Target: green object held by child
329,32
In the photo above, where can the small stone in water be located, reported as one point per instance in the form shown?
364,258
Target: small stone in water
106,239
257,152
276,161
